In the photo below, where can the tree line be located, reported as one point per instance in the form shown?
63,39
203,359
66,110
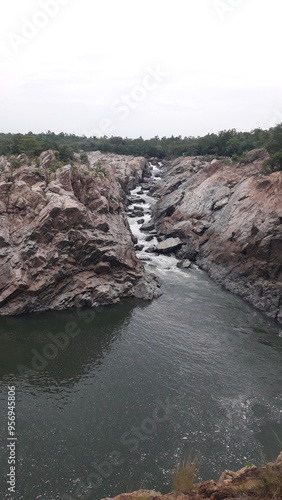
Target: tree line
227,143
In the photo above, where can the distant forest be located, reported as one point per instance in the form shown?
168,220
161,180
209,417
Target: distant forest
227,143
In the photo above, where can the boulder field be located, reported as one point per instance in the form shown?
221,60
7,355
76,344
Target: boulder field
64,236
229,220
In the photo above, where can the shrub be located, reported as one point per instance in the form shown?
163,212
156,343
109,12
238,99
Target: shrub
37,162
230,183
249,488
14,162
273,163
243,159
227,162
271,482
56,165
84,159
100,170
9,179
184,476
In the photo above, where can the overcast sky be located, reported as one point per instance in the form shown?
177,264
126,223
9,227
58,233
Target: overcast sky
132,68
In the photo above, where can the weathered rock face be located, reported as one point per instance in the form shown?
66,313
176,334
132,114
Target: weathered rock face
248,483
64,237
229,219
129,171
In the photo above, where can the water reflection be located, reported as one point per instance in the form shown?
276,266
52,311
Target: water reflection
195,346
53,348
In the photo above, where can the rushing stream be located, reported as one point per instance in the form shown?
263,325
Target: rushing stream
136,387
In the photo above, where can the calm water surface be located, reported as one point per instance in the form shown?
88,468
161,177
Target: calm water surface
197,370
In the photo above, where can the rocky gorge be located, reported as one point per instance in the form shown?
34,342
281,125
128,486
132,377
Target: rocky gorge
64,237
226,218
77,235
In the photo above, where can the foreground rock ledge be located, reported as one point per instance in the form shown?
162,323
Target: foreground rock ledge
64,237
249,483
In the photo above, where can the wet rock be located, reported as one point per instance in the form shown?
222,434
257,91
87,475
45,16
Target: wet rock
151,249
169,245
141,221
153,189
184,264
148,226
130,200
147,288
145,186
189,250
139,248
137,213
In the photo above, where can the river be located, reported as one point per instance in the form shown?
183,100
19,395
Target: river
134,388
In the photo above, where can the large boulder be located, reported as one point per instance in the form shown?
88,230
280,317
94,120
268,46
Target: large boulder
169,245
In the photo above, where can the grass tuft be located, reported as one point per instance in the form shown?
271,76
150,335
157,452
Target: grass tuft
271,482
184,476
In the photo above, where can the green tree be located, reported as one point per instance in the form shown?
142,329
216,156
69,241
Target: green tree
29,145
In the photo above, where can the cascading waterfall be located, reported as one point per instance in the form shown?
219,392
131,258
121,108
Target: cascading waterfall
140,213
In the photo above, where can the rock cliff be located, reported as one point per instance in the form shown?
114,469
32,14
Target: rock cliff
229,221
64,236
249,483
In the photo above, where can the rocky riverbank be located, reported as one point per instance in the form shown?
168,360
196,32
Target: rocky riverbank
64,236
249,483
227,219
